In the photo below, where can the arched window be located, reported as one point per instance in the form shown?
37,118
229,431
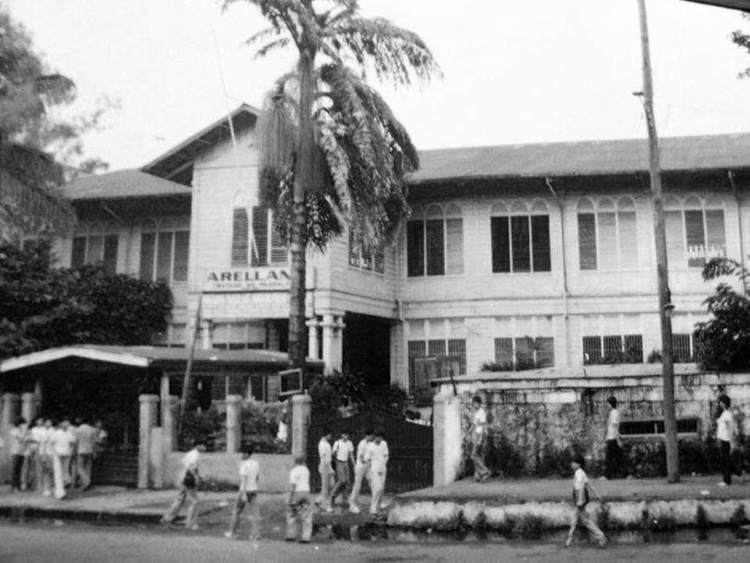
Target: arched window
695,232
240,237
607,234
97,244
164,252
435,242
520,240
266,245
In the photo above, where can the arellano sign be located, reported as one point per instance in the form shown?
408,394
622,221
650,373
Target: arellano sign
248,279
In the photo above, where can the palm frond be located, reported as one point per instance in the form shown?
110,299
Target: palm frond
274,45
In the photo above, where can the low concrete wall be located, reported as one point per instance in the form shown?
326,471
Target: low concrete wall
222,468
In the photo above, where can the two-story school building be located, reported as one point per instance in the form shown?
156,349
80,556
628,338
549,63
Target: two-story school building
515,257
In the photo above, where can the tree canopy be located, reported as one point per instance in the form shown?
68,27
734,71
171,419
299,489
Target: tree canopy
42,306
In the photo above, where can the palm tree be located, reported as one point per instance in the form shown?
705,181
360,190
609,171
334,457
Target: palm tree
333,154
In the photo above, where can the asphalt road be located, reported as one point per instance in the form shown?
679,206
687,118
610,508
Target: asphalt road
77,543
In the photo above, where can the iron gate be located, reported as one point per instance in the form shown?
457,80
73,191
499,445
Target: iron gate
409,446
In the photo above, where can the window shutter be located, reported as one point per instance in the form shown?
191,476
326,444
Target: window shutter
457,348
181,253
592,349
415,248
148,247
715,233
435,247
416,349
524,353
504,351
540,243
587,241
454,260
436,347
607,256
545,352
681,348
279,252
239,237
95,249
612,345
696,239
164,257
380,260
259,250
628,240
110,253
78,256
500,244
634,347
520,240
675,239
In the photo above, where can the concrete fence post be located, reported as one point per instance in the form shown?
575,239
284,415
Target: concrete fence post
148,406
234,423
301,406
29,407
447,439
169,413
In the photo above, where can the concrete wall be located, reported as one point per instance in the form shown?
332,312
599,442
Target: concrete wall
222,468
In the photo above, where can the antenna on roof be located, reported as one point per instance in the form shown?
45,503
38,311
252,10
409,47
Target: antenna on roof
224,86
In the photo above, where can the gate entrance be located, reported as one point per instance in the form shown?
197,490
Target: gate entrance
409,446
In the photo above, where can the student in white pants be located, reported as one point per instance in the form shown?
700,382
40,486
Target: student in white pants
378,462
62,441
361,469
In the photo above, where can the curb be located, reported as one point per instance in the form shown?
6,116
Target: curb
25,511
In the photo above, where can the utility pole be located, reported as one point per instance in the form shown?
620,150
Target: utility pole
662,273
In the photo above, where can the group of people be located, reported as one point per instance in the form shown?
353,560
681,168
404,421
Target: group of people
368,461
51,458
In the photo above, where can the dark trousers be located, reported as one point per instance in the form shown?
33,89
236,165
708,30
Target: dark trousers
726,461
17,471
612,467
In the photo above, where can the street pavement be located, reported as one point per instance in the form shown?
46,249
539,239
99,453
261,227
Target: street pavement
82,543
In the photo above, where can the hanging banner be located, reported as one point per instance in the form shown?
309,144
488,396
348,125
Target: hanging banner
248,280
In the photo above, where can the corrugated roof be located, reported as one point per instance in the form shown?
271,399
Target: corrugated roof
583,158
122,184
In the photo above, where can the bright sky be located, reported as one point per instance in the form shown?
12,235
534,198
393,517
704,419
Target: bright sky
515,70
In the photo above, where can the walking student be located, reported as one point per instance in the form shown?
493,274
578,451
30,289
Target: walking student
189,481
581,491
325,454
479,440
299,516
343,454
725,431
17,449
378,463
361,469
248,496
86,435
613,441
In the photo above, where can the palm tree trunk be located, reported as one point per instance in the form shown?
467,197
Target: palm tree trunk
298,242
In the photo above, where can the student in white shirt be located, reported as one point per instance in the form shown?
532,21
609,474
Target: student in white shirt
33,467
343,454
299,516
189,481
248,493
725,430
325,468
581,491
613,457
18,435
378,462
361,468
62,441
46,455
86,435
479,439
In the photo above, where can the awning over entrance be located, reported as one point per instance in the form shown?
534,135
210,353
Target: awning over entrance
150,357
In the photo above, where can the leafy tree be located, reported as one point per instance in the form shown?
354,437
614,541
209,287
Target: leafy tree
741,38
724,340
332,152
42,306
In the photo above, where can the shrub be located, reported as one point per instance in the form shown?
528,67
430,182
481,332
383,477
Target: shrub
207,427
260,425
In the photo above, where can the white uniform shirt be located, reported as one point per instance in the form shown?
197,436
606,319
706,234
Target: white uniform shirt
363,452
45,441
86,438
725,426
38,436
613,425
62,442
343,449
479,420
17,440
579,484
249,473
190,460
378,456
299,476
324,454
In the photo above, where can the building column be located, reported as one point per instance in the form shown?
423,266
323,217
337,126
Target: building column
29,407
148,406
446,428
313,344
333,329
206,342
301,406
234,423
10,408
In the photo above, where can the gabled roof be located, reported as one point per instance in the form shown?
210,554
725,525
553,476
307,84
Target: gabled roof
583,158
175,160
121,184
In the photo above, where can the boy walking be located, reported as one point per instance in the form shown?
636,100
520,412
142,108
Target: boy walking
613,441
299,517
361,469
325,454
189,481
725,431
248,496
343,453
478,440
378,463
581,491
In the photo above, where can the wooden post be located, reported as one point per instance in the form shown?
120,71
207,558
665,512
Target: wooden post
662,276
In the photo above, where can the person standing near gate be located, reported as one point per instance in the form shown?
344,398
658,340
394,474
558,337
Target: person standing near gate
479,439
325,454
613,441
18,435
46,455
189,481
378,462
33,467
725,432
361,469
343,453
299,514
86,435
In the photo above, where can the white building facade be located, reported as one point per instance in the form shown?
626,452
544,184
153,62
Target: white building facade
514,258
